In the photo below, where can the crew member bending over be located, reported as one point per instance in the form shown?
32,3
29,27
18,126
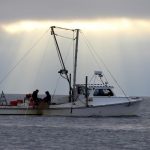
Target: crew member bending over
47,99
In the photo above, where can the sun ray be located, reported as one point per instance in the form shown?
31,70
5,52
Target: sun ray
112,24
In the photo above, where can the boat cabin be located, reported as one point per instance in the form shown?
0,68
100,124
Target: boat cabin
95,90
103,92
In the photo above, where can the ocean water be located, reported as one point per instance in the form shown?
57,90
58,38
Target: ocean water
72,133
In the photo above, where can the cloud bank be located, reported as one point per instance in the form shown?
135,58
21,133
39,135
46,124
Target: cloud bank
72,9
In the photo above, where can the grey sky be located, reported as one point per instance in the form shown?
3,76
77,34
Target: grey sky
12,10
126,48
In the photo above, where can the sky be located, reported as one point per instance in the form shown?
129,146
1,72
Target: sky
119,31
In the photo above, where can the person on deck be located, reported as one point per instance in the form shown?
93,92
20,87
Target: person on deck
47,99
35,96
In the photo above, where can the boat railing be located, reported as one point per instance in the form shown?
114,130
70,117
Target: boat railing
96,86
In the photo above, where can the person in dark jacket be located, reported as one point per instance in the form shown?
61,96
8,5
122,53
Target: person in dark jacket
35,96
47,99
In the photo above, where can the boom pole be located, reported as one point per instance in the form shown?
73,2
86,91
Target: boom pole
63,71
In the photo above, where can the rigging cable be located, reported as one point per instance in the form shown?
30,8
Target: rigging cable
55,87
22,58
69,46
94,56
90,46
56,45
63,28
63,36
42,59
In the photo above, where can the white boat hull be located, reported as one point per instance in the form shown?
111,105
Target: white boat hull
9,110
124,109
117,109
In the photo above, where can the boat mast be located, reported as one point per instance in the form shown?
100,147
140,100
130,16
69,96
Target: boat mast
63,70
75,63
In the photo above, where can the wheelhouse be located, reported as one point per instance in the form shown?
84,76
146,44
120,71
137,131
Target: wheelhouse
95,90
103,92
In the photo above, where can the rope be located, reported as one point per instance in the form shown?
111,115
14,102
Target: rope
63,28
96,54
91,79
22,58
40,66
66,58
68,52
91,49
55,87
63,36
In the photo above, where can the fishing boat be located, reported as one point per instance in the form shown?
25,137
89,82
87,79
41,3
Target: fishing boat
83,100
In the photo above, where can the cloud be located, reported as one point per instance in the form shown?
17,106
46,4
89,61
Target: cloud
72,9
128,47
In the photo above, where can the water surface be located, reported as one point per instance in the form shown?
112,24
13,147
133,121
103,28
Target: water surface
72,133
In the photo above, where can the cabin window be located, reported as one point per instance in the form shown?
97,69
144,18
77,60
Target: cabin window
103,92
